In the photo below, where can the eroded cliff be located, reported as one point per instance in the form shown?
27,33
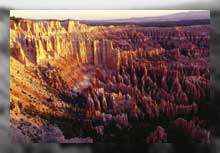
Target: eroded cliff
109,83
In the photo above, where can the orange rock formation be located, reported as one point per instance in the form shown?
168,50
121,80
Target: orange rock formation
107,83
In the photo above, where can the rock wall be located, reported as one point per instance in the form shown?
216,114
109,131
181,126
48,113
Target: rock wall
137,84
40,42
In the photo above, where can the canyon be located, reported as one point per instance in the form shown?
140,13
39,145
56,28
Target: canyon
72,82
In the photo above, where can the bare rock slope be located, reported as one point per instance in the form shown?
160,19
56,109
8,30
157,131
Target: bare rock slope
71,82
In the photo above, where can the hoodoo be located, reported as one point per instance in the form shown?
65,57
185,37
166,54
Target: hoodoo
78,83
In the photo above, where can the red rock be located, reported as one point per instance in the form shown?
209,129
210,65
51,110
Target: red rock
157,136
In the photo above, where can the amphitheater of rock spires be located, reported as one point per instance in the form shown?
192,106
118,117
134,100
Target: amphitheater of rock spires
78,83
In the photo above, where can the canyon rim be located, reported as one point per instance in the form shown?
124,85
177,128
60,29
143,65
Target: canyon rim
137,79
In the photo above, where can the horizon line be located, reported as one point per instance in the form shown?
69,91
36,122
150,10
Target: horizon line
91,15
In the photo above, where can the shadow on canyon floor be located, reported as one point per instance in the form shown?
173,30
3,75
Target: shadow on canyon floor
165,148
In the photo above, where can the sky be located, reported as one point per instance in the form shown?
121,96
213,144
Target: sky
90,14
106,4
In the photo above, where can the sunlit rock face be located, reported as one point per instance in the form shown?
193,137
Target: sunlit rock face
118,83
45,41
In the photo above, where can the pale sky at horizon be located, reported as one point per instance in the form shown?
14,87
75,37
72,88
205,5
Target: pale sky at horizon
103,4
91,14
